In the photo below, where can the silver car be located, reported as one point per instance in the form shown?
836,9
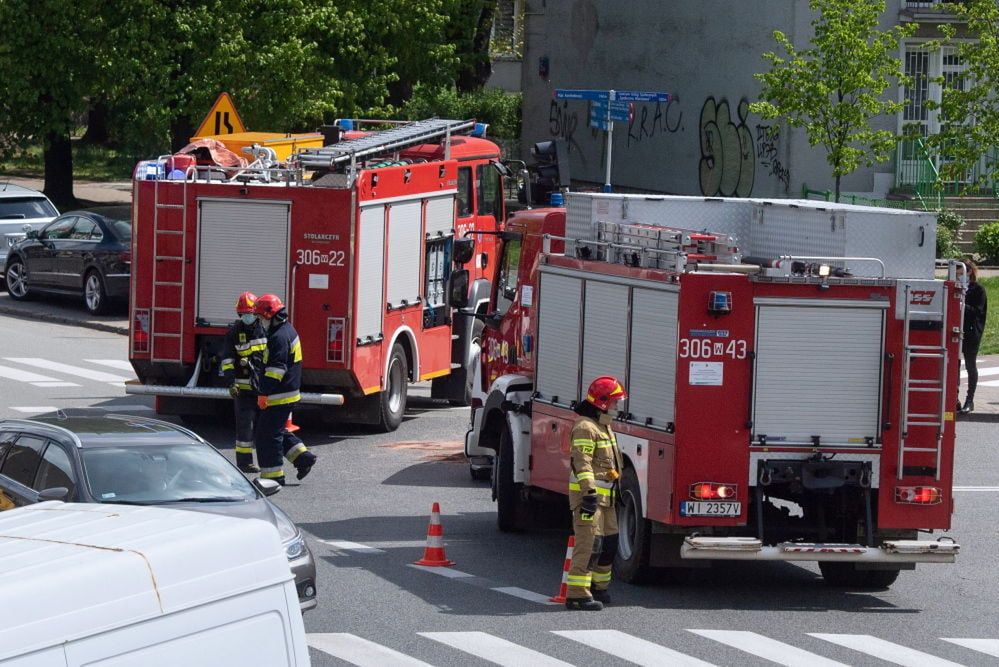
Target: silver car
20,207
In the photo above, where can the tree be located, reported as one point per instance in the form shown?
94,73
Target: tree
834,89
969,113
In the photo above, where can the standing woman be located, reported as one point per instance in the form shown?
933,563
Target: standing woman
975,311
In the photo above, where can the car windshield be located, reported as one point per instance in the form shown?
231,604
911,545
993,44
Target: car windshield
160,474
17,208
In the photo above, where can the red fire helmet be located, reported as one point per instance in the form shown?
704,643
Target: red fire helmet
605,390
244,304
268,306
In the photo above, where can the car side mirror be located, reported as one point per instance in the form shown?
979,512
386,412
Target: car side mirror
268,487
31,233
458,289
462,250
54,493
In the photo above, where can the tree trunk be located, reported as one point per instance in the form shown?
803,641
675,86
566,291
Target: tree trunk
838,177
181,129
475,74
59,170
97,124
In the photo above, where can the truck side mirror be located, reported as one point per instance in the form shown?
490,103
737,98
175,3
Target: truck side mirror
462,250
458,289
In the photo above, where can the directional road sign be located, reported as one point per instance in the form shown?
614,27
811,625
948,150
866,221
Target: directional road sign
619,95
619,111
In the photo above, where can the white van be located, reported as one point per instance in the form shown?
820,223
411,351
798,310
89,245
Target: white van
117,586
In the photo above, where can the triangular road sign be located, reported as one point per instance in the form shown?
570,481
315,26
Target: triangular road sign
222,118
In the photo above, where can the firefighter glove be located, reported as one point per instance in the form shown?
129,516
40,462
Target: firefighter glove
233,390
262,402
589,504
613,475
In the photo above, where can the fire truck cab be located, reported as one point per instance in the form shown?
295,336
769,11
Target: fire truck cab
788,399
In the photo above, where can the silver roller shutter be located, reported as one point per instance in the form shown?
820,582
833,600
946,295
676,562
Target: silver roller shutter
558,337
604,348
652,380
818,372
405,249
371,258
242,245
440,216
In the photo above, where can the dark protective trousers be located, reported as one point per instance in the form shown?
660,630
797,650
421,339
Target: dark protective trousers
246,410
274,442
593,555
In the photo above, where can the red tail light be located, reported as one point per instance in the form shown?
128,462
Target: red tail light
334,339
140,332
918,495
125,257
713,491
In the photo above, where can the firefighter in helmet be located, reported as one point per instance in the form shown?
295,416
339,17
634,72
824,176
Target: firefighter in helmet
245,343
279,391
595,467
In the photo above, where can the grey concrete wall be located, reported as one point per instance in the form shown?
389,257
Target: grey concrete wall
705,52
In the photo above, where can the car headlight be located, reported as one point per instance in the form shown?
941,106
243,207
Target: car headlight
295,548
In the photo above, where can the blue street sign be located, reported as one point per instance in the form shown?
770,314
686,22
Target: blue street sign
568,94
619,111
599,123
641,96
620,95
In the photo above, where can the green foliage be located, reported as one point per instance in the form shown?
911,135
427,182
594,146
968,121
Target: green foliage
835,88
987,242
950,219
965,143
948,225
990,340
488,105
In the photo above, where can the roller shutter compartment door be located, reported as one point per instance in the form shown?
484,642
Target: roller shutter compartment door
242,245
405,249
604,330
818,373
371,261
440,216
652,380
558,338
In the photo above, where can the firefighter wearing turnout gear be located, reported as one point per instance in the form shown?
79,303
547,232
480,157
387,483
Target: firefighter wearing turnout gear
279,391
245,343
595,467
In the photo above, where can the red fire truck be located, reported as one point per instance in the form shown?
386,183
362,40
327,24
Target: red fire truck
362,239
781,407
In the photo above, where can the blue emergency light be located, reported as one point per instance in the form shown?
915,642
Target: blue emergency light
720,303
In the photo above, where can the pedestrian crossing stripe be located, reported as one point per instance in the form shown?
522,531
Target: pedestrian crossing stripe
635,650
68,369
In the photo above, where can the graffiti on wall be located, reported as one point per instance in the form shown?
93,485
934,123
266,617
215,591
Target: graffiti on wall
728,165
649,121
562,122
768,154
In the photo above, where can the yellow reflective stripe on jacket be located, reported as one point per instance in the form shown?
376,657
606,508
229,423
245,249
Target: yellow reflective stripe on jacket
578,580
227,364
295,452
601,491
243,383
585,445
580,476
274,372
296,350
271,473
283,399
252,345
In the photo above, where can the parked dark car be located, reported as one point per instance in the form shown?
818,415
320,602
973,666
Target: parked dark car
81,252
124,459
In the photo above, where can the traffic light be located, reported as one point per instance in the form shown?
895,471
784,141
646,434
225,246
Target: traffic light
550,171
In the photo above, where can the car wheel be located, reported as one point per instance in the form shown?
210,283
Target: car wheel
392,401
95,295
17,281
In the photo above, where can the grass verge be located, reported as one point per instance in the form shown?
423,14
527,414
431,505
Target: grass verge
90,162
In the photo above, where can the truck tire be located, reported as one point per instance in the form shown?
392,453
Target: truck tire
845,575
392,401
510,506
632,561
474,354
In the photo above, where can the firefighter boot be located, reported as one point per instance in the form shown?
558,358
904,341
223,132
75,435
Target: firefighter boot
583,604
303,463
248,467
601,596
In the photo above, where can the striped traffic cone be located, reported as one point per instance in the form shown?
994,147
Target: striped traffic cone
563,589
433,554
290,426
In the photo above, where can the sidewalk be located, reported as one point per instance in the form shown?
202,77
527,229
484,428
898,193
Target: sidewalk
987,394
64,310
90,193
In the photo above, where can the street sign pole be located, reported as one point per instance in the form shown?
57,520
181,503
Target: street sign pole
610,141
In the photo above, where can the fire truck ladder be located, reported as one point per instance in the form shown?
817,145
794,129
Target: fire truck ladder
164,227
646,245
394,139
923,385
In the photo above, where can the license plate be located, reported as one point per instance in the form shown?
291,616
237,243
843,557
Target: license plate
698,508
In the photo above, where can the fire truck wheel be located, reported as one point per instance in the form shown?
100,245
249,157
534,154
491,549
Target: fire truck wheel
17,281
509,504
845,575
392,401
632,561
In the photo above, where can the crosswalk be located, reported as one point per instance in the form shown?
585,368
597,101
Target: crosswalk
47,379
983,377
356,650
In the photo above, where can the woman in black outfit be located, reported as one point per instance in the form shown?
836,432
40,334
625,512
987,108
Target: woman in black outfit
975,310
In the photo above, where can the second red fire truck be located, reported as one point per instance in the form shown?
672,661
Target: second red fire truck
782,405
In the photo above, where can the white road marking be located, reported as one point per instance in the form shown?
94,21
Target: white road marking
989,383
126,408
885,650
78,371
633,649
358,651
769,649
977,489
113,363
493,649
986,646
27,376
981,372
448,572
37,410
55,384
524,594
352,546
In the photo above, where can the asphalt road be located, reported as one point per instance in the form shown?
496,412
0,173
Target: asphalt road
370,495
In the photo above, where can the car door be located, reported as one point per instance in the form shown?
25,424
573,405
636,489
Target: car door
7,439
17,473
55,470
39,254
73,253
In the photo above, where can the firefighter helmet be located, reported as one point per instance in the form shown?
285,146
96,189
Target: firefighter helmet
244,304
604,391
268,306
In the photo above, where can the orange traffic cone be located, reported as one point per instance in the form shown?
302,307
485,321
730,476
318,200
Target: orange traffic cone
563,589
289,426
433,554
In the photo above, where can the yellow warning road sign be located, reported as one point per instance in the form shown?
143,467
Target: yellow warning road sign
222,118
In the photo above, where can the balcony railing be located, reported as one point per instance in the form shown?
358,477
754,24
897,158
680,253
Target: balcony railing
919,168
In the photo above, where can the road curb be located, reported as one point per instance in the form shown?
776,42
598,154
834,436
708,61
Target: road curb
62,319
987,417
